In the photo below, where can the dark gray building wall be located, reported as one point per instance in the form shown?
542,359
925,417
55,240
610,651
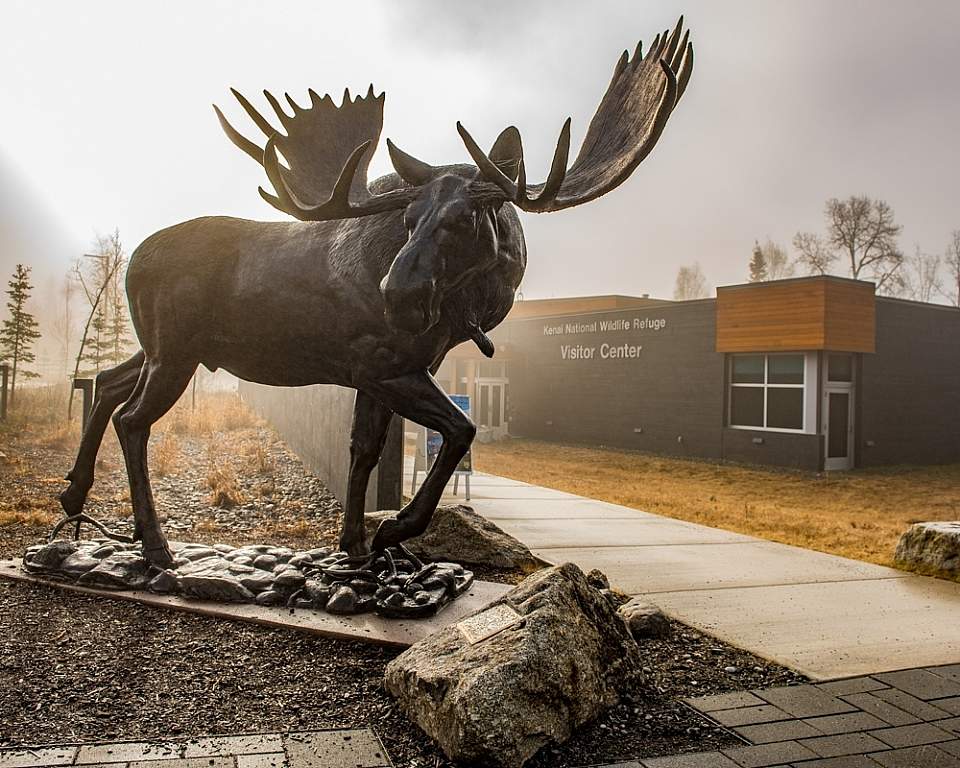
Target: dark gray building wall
315,422
778,449
668,399
907,400
909,391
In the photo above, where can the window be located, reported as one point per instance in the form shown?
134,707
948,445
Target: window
840,368
460,379
766,391
490,369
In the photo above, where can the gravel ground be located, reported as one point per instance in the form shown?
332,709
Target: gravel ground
81,669
75,668
275,497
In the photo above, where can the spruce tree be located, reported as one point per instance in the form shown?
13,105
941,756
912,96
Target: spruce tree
19,331
758,264
118,336
97,347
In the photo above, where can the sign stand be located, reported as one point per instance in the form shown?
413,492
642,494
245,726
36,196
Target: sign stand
4,376
428,446
85,386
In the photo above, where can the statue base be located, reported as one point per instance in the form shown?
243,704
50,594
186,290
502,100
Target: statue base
393,583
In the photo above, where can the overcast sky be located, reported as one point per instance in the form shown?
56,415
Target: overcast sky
107,118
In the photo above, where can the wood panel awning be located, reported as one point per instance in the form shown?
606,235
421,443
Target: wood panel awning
807,313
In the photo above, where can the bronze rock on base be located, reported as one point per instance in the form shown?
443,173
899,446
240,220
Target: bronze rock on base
393,583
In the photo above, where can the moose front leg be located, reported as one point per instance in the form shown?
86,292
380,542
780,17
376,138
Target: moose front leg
419,398
371,421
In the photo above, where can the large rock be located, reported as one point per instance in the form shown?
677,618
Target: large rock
459,534
565,658
931,548
644,619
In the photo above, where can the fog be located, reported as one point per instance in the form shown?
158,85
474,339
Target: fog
107,118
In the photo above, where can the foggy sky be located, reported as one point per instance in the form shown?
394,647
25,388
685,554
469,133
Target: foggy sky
107,118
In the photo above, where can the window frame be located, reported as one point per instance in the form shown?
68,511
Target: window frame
808,374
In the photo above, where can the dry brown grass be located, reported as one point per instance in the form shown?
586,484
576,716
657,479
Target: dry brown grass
30,518
259,458
165,456
60,436
40,413
222,478
222,481
295,533
857,514
45,404
207,526
266,489
215,412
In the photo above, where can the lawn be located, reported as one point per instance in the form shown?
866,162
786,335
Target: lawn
858,514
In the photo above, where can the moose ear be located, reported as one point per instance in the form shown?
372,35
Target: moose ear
507,152
413,171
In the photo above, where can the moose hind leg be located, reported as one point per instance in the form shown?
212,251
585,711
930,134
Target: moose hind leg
371,421
419,398
159,387
113,386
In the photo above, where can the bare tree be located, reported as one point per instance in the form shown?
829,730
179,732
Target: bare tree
62,326
920,276
952,259
861,232
96,278
691,283
813,253
777,260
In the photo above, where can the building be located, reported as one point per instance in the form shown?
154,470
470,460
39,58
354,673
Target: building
812,373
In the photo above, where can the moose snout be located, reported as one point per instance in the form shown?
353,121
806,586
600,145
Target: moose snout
409,307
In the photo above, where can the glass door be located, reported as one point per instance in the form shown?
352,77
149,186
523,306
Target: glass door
490,414
483,405
838,413
838,430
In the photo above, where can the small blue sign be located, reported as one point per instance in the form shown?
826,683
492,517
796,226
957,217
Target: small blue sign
434,440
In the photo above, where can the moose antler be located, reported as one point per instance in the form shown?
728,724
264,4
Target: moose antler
328,149
626,126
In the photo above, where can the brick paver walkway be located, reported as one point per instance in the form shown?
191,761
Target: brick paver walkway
309,749
906,719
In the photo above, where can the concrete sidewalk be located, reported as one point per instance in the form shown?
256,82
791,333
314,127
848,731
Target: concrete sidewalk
823,615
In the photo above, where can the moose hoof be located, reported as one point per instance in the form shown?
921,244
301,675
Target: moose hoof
158,555
355,548
390,533
72,500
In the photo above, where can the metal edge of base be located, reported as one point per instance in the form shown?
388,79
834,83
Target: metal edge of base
326,625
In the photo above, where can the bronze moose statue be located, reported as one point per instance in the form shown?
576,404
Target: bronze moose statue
369,288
